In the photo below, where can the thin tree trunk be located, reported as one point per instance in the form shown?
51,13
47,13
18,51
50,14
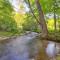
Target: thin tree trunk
33,12
55,17
55,22
59,23
41,19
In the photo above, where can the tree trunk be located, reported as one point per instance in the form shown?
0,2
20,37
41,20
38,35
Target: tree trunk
41,19
55,16
55,21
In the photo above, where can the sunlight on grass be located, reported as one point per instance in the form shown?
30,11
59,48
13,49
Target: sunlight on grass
2,33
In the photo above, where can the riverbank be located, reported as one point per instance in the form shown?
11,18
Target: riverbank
20,47
9,35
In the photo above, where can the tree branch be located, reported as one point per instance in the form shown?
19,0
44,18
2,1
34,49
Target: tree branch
33,12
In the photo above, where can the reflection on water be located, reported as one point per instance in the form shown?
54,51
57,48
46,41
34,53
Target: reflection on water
51,49
24,48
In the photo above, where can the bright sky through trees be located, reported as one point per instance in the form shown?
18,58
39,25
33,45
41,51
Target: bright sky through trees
17,6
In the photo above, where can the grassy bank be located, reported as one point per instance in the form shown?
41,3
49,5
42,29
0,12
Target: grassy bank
7,34
4,33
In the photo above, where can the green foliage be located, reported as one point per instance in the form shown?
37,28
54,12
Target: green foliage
5,34
30,24
7,22
33,7
48,7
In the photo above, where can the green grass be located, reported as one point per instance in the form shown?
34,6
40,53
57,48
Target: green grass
9,34
4,33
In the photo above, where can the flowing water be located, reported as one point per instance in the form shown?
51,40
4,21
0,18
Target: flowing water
23,48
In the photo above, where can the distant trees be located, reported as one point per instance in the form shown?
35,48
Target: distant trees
30,23
7,22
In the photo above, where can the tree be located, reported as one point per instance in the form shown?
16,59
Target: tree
7,22
41,18
37,6
53,8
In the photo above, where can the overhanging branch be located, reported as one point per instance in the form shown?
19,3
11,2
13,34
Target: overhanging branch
33,12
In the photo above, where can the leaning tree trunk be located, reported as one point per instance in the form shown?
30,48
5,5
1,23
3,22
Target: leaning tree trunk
41,19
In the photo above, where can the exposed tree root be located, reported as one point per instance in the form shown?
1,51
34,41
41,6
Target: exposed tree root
50,37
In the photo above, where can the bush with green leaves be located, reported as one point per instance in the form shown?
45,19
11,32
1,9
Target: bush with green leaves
7,22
